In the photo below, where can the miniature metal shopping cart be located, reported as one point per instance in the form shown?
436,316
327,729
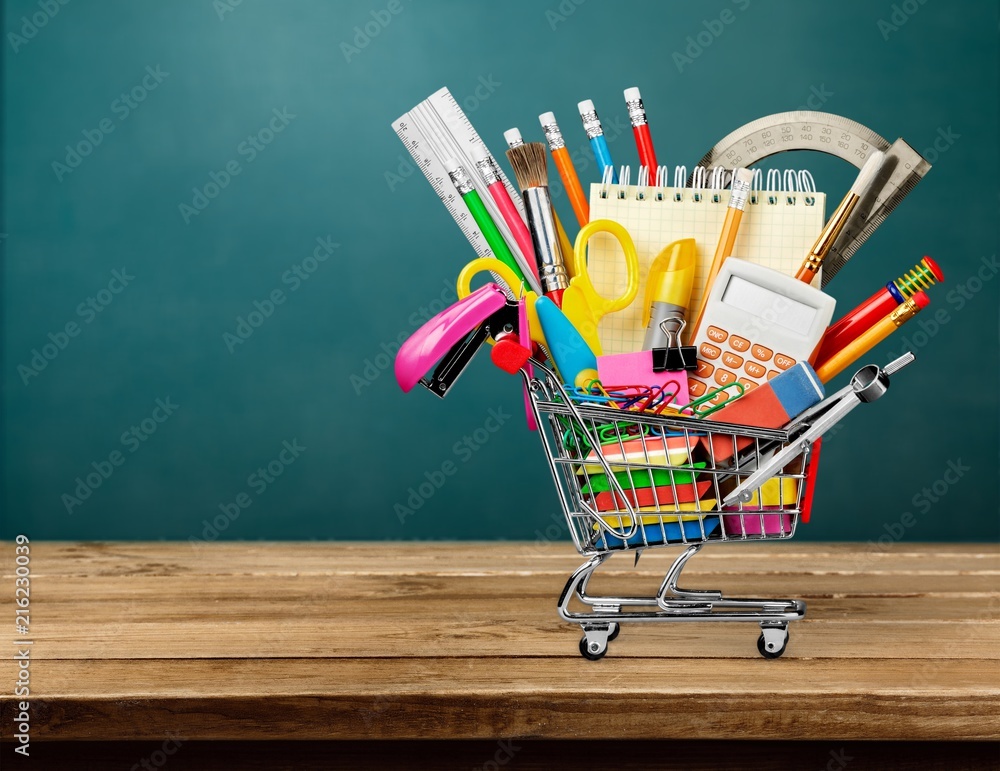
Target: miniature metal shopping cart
629,481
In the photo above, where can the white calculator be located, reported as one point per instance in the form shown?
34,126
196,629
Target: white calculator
757,323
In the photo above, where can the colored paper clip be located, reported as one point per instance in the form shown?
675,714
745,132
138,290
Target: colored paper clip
708,396
659,399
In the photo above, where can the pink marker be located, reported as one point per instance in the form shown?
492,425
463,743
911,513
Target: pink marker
490,172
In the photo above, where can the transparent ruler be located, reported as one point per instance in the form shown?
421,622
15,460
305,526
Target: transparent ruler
827,133
434,131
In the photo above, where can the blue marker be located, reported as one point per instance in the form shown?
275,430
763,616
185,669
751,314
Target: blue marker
595,133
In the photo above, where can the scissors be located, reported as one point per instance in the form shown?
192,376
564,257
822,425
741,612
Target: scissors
581,303
494,266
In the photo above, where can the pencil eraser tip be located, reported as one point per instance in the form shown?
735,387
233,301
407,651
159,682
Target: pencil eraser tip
744,175
631,94
546,118
587,105
478,152
512,136
935,268
921,299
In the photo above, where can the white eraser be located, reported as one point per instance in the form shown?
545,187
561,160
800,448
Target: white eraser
631,94
744,175
479,152
512,137
546,118
451,164
586,106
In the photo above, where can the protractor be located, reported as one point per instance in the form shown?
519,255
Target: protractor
835,135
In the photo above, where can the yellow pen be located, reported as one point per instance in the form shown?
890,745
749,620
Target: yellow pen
668,290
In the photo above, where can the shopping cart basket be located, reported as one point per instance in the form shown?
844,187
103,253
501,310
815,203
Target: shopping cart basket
628,481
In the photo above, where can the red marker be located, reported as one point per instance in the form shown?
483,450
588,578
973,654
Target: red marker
877,307
640,127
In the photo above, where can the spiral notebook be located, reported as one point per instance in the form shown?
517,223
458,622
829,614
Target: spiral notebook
780,224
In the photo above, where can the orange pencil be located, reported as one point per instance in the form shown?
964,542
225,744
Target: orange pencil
564,165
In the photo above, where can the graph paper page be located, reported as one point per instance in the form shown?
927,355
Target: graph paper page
777,231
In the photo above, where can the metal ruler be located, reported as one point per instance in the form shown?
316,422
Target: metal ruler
434,131
824,132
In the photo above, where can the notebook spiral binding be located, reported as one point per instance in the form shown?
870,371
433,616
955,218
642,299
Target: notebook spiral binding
782,186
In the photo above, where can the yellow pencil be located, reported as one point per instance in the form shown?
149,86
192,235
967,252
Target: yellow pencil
742,180
871,337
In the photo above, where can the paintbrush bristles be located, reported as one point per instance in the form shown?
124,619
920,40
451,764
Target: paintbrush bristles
528,162
868,172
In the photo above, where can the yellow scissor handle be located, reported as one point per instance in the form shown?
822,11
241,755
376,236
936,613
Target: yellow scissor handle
493,265
484,265
602,305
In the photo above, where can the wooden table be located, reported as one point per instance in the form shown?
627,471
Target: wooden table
459,645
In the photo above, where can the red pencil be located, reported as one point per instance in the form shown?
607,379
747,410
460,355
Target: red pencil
640,127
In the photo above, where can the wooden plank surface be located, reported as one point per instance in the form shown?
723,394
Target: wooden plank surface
462,641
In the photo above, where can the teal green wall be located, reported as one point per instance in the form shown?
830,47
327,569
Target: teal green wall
225,67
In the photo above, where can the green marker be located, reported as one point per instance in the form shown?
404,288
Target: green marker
463,183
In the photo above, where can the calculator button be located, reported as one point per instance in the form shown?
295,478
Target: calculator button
704,369
772,374
761,353
753,369
724,377
709,351
719,398
783,362
717,335
696,388
740,344
732,360
748,385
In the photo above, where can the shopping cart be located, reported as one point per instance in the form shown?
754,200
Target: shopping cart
628,481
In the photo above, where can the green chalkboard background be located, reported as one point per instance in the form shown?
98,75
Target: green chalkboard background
170,93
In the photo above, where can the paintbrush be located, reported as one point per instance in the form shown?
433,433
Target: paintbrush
811,264
528,162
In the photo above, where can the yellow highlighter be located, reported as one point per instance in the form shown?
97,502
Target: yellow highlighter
668,291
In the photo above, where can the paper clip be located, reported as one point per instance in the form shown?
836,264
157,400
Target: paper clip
711,395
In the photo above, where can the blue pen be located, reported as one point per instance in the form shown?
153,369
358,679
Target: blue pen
595,133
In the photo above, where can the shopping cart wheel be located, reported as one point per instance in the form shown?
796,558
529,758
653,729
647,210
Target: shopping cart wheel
592,650
615,629
772,641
